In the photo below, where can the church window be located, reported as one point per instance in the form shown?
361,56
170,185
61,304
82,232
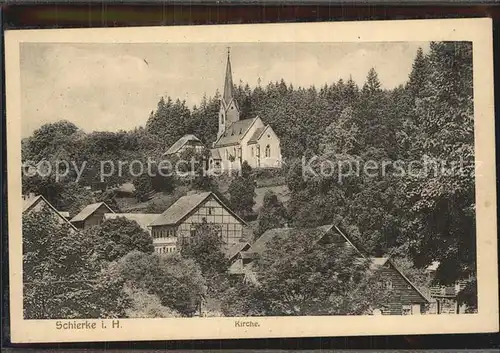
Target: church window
234,151
268,151
252,152
222,118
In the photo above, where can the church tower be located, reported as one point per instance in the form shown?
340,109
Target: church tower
229,111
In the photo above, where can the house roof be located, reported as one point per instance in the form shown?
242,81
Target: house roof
191,139
184,206
235,132
89,210
257,134
143,219
234,249
377,262
29,204
260,244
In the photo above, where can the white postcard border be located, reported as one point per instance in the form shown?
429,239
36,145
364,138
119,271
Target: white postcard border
479,31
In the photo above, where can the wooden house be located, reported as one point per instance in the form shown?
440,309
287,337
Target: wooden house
91,215
186,142
405,297
181,220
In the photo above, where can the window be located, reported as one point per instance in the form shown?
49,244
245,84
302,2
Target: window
388,284
406,310
252,152
268,151
227,154
221,119
210,210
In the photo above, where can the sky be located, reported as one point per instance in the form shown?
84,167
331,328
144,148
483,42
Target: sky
111,87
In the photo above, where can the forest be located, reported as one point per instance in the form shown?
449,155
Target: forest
420,218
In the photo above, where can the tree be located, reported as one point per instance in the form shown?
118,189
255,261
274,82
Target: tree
117,237
419,74
143,187
48,140
169,121
446,135
206,248
60,278
272,214
242,192
177,281
298,276
146,305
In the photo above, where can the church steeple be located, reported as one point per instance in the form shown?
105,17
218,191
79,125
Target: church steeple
229,111
228,81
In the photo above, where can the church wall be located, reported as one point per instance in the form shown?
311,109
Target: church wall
246,150
269,138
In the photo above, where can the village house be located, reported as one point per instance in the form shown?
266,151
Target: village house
445,299
91,215
181,220
33,203
406,298
185,143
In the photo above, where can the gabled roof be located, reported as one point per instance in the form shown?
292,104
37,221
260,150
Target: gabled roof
89,210
235,132
29,204
257,134
143,219
260,244
377,262
184,206
232,250
191,139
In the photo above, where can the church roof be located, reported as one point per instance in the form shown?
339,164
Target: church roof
191,139
257,134
235,132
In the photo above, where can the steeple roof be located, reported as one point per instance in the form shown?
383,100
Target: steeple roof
228,95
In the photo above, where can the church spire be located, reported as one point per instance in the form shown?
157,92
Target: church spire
228,81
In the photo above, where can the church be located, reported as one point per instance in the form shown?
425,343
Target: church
239,140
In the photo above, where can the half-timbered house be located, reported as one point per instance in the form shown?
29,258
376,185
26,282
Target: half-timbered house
181,220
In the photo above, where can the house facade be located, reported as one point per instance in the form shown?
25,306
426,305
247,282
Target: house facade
180,221
240,140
